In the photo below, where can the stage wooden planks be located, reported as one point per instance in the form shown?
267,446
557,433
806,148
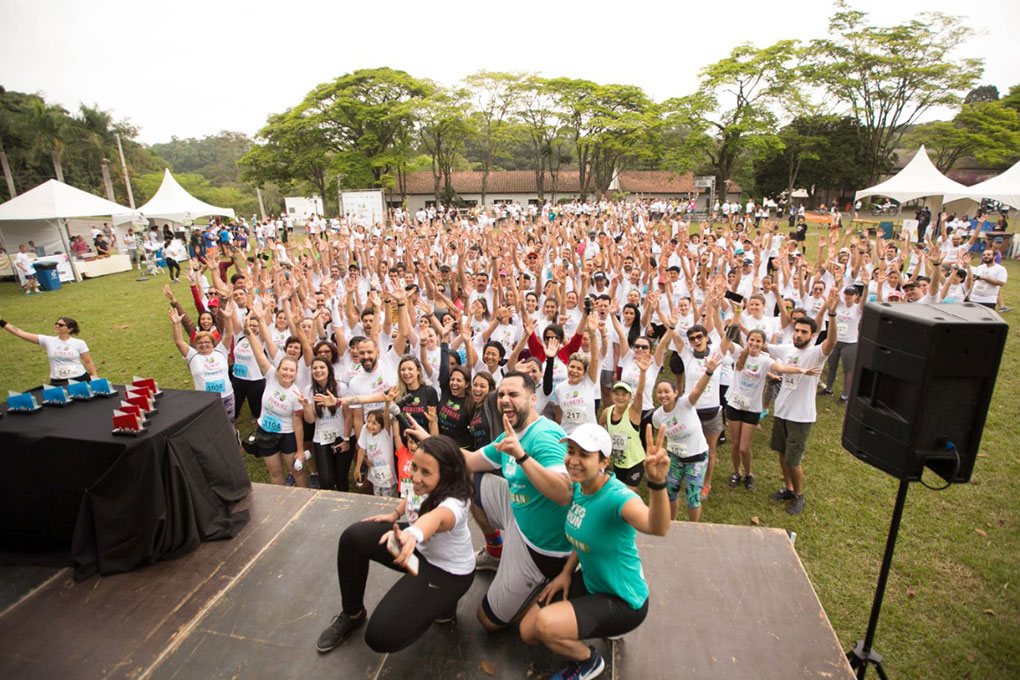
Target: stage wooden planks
728,602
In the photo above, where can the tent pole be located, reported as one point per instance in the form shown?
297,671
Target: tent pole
65,238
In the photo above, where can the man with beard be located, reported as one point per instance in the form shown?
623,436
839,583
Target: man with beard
988,278
795,405
528,502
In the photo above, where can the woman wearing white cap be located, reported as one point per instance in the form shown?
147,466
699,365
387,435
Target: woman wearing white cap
610,595
622,421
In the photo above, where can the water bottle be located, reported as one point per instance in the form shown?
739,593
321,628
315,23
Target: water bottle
298,464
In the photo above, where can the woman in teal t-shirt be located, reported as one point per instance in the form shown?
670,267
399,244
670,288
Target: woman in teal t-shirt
609,597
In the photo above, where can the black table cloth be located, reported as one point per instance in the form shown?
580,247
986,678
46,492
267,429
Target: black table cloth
73,492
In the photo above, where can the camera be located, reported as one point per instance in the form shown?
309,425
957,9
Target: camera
587,305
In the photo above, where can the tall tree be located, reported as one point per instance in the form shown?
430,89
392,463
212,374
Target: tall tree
538,117
982,93
291,147
444,127
890,75
495,95
51,130
987,131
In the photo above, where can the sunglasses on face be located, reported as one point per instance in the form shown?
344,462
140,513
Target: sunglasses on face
642,347
60,323
699,336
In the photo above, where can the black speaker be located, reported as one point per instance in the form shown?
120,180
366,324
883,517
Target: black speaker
923,378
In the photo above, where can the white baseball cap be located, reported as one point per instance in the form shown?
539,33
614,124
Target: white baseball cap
591,437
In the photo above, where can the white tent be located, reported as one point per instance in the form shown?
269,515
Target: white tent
1004,188
172,202
917,179
51,203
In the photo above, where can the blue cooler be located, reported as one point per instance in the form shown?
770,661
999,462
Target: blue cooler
47,276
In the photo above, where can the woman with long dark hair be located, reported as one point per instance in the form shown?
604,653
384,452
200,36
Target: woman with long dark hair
333,453
69,357
435,534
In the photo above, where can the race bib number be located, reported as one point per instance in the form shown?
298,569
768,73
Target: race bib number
240,371
619,444
64,372
271,423
677,449
841,328
573,416
215,386
738,401
328,434
380,475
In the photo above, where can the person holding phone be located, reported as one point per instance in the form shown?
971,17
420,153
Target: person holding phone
433,546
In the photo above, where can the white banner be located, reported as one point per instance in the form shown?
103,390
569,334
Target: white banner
366,208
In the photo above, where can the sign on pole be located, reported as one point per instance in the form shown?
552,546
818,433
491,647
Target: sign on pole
366,208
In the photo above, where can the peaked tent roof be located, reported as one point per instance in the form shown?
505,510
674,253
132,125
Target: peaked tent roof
56,200
172,202
1004,188
917,179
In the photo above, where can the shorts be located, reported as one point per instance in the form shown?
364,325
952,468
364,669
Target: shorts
790,439
735,415
602,614
286,443
606,378
690,475
631,476
711,421
518,578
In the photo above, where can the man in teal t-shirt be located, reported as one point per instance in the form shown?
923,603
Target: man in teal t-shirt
529,502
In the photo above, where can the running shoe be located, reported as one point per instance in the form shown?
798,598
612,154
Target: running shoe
764,414
290,480
843,399
796,506
338,631
484,561
313,481
783,494
1005,309
705,490
735,480
448,616
749,482
584,670
827,392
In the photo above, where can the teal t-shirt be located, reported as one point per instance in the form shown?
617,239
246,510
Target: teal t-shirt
540,519
605,543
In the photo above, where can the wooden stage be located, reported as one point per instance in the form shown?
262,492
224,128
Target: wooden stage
727,602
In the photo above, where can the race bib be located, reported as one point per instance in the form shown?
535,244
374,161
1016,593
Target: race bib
619,444
64,372
573,416
240,371
271,423
738,401
380,475
677,449
841,328
215,386
328,434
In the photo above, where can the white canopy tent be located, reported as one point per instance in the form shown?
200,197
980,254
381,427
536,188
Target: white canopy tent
51,204
918,178
172,202
1004,188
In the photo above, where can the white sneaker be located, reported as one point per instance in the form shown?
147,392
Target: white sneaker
485,561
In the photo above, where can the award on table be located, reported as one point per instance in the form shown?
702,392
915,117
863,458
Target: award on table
127,424
101,387
55,396
147,382
21,402
131,408
79,390
140,400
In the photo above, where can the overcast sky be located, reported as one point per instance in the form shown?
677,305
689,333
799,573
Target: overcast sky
190,68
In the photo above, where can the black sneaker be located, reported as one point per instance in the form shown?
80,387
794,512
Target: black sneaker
735,480
338,631
749,482
783,494
796,506
290,480
827,392
448,616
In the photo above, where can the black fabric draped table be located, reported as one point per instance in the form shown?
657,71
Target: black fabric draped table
73,492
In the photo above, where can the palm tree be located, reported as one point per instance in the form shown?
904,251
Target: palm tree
50,131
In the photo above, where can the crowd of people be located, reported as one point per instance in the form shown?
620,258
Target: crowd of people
531,368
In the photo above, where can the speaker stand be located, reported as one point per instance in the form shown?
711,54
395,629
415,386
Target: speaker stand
863,654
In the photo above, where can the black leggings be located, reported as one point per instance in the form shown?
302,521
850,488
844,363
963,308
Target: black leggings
171,265
409,608
334,466
252,391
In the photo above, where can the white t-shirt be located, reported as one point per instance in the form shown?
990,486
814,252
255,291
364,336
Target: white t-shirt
576,402
630,373
64,356
329,426
246,367
694,368
382,470
450,550
848,321
796,400
382,379
984,291
506,335
747,386
211,372
684,436
279,404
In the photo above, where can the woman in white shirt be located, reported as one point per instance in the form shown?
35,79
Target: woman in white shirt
333,454
207,360
69,357
434,546
575,397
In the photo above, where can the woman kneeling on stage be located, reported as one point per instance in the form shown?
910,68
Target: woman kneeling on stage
609,597
434,547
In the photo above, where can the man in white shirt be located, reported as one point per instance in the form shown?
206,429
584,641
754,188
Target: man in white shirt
988,279
26,271
795,405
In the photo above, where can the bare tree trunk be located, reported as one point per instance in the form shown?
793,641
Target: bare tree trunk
56,165
7,173
105,165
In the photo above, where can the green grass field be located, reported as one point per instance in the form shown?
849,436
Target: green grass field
952,606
